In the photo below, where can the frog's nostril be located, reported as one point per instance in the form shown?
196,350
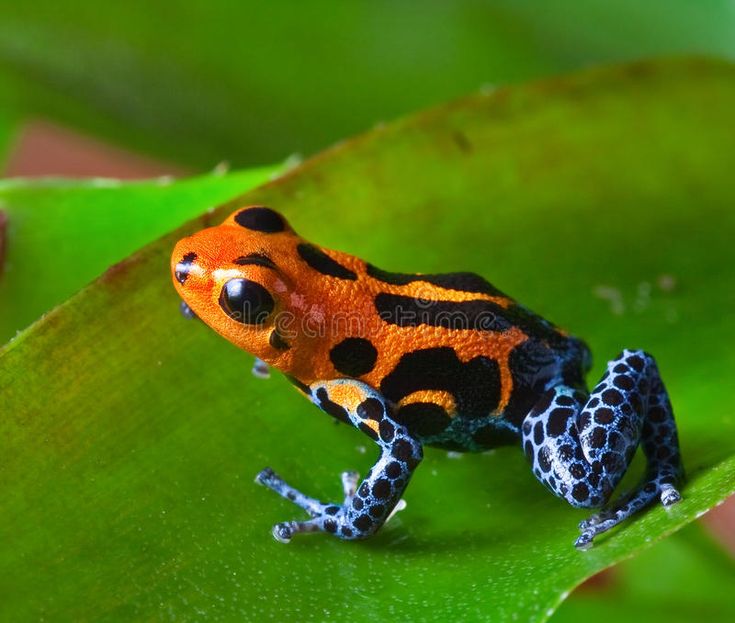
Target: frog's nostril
184,266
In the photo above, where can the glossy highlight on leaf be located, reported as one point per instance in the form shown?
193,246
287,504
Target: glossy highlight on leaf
131,436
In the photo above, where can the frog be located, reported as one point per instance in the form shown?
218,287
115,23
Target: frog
417,360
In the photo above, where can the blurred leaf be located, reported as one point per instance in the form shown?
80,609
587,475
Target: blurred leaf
132,436
682,579
62,234
201,81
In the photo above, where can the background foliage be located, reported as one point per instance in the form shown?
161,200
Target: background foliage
203,81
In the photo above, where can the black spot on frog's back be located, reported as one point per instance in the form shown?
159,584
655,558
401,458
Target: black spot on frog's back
475,384
262,219
323,263
464,282
354,356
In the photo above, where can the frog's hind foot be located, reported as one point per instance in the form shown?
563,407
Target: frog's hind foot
626,507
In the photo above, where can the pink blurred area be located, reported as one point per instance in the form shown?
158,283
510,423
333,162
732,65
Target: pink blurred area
45,149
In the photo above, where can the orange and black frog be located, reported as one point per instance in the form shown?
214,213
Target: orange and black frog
414,360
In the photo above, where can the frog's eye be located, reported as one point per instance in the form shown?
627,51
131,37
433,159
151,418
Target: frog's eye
246,301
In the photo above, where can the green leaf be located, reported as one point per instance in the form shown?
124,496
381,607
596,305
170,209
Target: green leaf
61,234
132,437
252,82
682,579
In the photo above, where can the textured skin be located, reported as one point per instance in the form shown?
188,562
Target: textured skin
411,359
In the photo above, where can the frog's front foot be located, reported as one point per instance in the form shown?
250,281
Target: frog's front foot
332,518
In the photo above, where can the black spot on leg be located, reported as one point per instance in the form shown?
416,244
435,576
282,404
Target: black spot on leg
330,525
332,408
538,433
598,437
387,431
623,382
577,471
528,448
557,422
371,409
403,451
377,511
612,397
603,415
363,523
322,263
260,218
580,492
566,453
357,503
368,431
543,459
636,363
656,415
381,489
393,470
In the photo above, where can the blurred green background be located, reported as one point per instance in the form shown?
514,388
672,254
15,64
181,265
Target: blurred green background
184,86
198,82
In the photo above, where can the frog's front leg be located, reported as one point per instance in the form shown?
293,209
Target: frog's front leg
581,447
365,508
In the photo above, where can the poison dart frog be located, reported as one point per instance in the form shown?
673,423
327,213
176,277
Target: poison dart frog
414,360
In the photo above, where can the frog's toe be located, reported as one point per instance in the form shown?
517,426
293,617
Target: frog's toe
265,477
669,496
349,483
282,532
584,541
586,524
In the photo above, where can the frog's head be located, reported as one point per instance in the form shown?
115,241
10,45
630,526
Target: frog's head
227,276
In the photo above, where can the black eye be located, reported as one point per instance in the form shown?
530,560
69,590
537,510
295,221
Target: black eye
246,301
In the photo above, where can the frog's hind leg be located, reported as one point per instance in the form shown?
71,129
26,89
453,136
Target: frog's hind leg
367,507
581,447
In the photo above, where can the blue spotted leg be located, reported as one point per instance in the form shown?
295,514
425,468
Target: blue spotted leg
365,508
580,447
